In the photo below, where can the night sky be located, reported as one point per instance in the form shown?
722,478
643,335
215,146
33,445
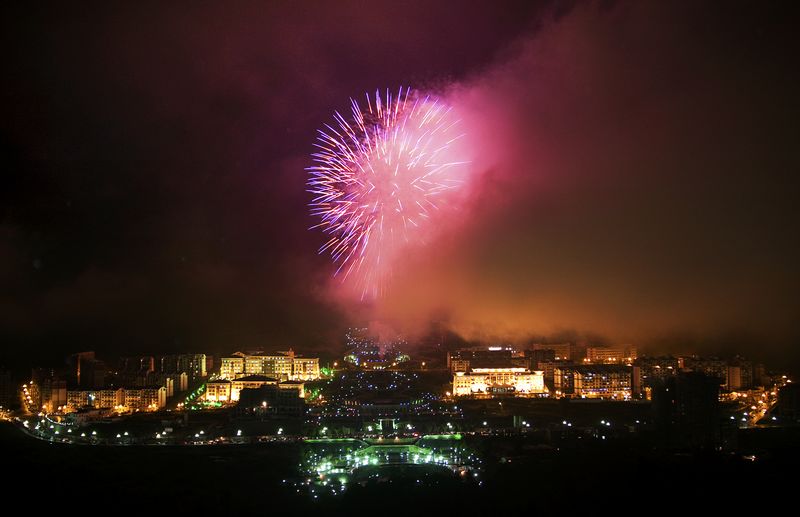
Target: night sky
633,177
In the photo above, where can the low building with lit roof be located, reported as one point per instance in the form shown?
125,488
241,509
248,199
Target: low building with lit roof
487,382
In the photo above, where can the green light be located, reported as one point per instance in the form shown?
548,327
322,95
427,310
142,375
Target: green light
455,436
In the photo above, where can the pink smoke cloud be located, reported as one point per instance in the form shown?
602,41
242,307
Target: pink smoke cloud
586,207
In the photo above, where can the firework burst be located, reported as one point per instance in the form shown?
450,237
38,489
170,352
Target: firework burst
379,179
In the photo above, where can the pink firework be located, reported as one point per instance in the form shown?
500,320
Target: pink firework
379,180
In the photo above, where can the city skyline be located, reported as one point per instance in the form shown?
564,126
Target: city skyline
380,421
348,257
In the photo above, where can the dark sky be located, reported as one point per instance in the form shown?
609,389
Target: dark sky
635,177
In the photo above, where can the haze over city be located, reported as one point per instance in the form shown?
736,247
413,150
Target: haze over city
631,176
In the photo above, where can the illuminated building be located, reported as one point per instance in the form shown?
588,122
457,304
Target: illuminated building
142,399
283,365
605,381
232,367
223,390
109,398
305,369
740,374
278,366
255,365
734,378
149,398
610,354
496,381
78,398
98,399
218,391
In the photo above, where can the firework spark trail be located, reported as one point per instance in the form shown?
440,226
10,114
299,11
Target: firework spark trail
378,179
